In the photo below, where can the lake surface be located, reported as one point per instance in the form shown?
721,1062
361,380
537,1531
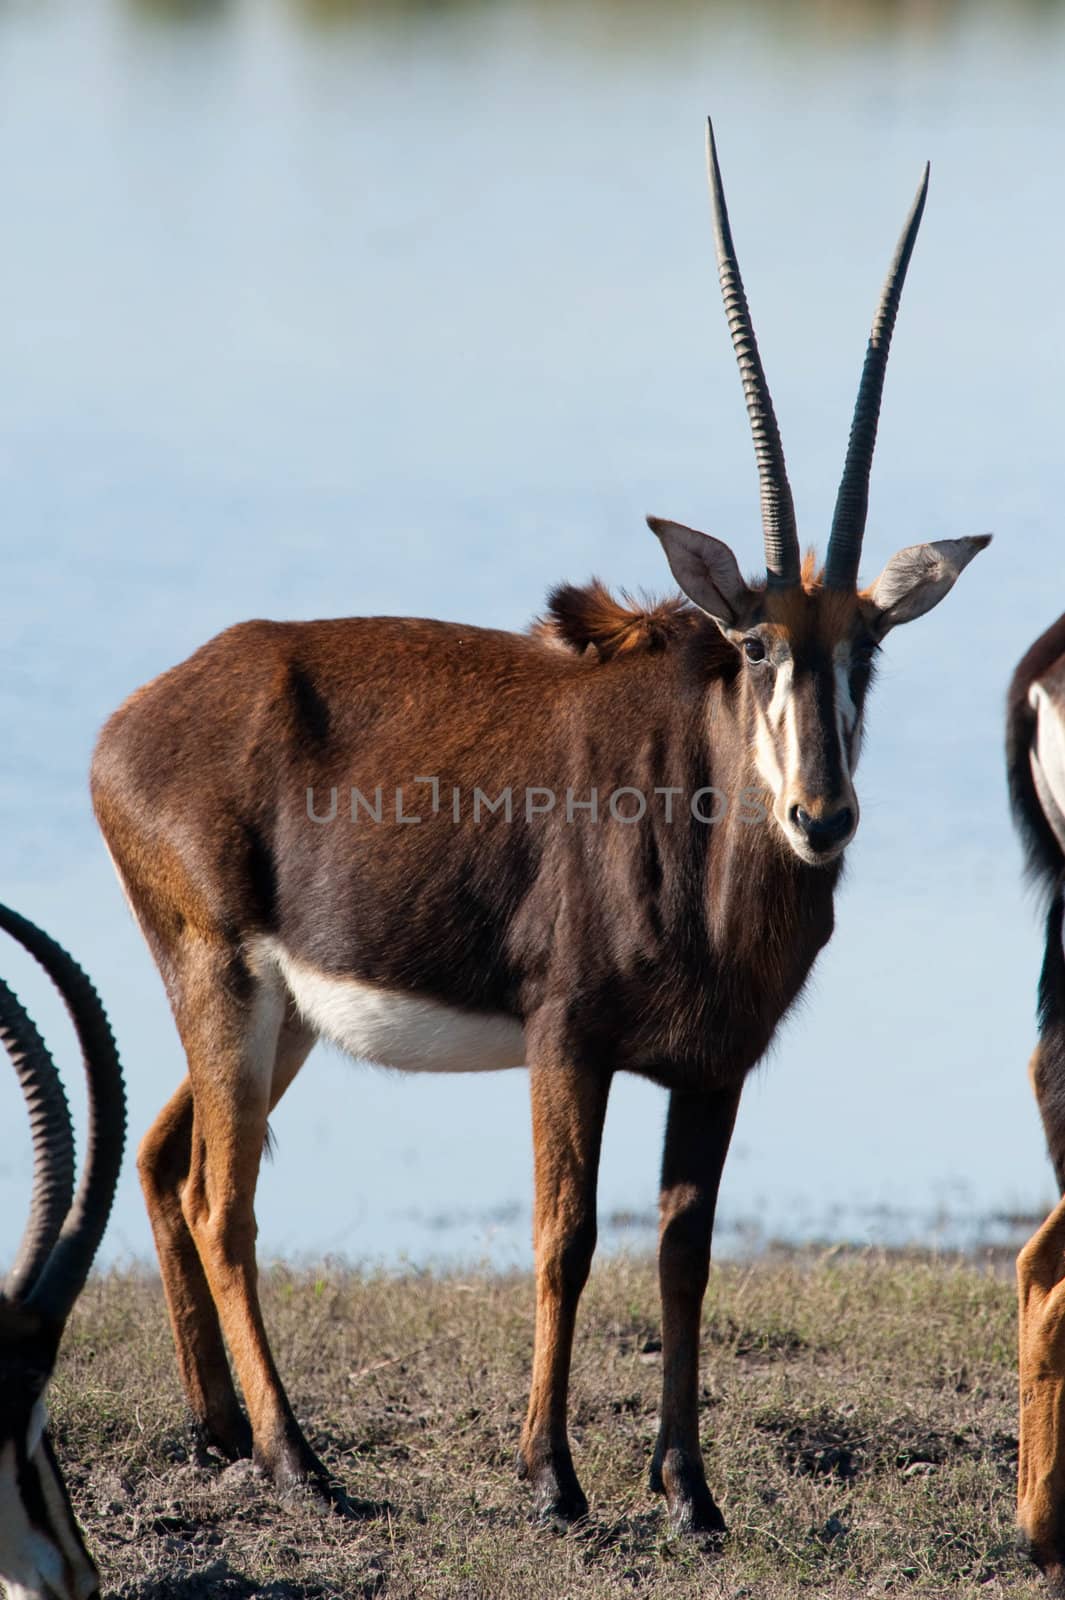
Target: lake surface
325,309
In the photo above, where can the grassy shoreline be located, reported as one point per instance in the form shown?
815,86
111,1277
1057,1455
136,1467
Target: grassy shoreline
858,1420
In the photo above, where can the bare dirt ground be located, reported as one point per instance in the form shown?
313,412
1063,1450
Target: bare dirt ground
859,1423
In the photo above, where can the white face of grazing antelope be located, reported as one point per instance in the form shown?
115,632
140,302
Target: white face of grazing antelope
807,645
42,1552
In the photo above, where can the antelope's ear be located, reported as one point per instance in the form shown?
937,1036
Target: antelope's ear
706,570
917,578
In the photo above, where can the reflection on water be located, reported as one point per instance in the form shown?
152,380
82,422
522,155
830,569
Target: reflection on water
317,308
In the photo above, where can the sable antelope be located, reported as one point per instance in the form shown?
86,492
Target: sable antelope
544,933
1035,759
42,1552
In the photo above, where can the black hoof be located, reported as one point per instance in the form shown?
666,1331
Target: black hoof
233,1442
692,1508
559,1512
293,1468
699,1516
330,1495
558,1499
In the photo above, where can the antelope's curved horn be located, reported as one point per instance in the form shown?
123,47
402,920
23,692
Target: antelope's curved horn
63,1275
778,510
53,1142
852,501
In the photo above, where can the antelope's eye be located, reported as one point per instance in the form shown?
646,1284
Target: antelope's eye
864,653
754,649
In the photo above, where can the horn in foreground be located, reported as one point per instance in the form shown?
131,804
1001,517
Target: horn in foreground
42,1552
53,1143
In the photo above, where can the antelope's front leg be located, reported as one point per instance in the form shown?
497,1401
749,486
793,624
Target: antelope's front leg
568,1108
697,1139
1041,1341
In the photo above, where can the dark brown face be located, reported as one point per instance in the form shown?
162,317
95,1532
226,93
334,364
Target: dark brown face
807,657
807,663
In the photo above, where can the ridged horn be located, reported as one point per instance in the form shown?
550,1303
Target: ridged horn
63,1275
852,501
53,1142
778,509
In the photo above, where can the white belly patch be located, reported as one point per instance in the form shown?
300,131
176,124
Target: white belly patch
394,1029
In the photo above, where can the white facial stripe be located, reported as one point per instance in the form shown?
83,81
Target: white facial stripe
28,1554
791,742
778,705
779,757
765,754
769,723
845,707
394,1029
16,1569
778,744
847,718
65,1535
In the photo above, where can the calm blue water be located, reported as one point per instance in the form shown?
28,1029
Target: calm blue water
414,310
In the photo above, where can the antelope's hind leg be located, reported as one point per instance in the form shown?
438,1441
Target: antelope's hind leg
163,1163
244,1046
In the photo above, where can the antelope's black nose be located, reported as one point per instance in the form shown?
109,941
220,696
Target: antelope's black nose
823,833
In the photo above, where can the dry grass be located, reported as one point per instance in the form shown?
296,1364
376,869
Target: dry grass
859,1420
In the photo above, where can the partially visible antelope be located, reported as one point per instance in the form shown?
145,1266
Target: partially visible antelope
665,934
1035,757
42,1552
